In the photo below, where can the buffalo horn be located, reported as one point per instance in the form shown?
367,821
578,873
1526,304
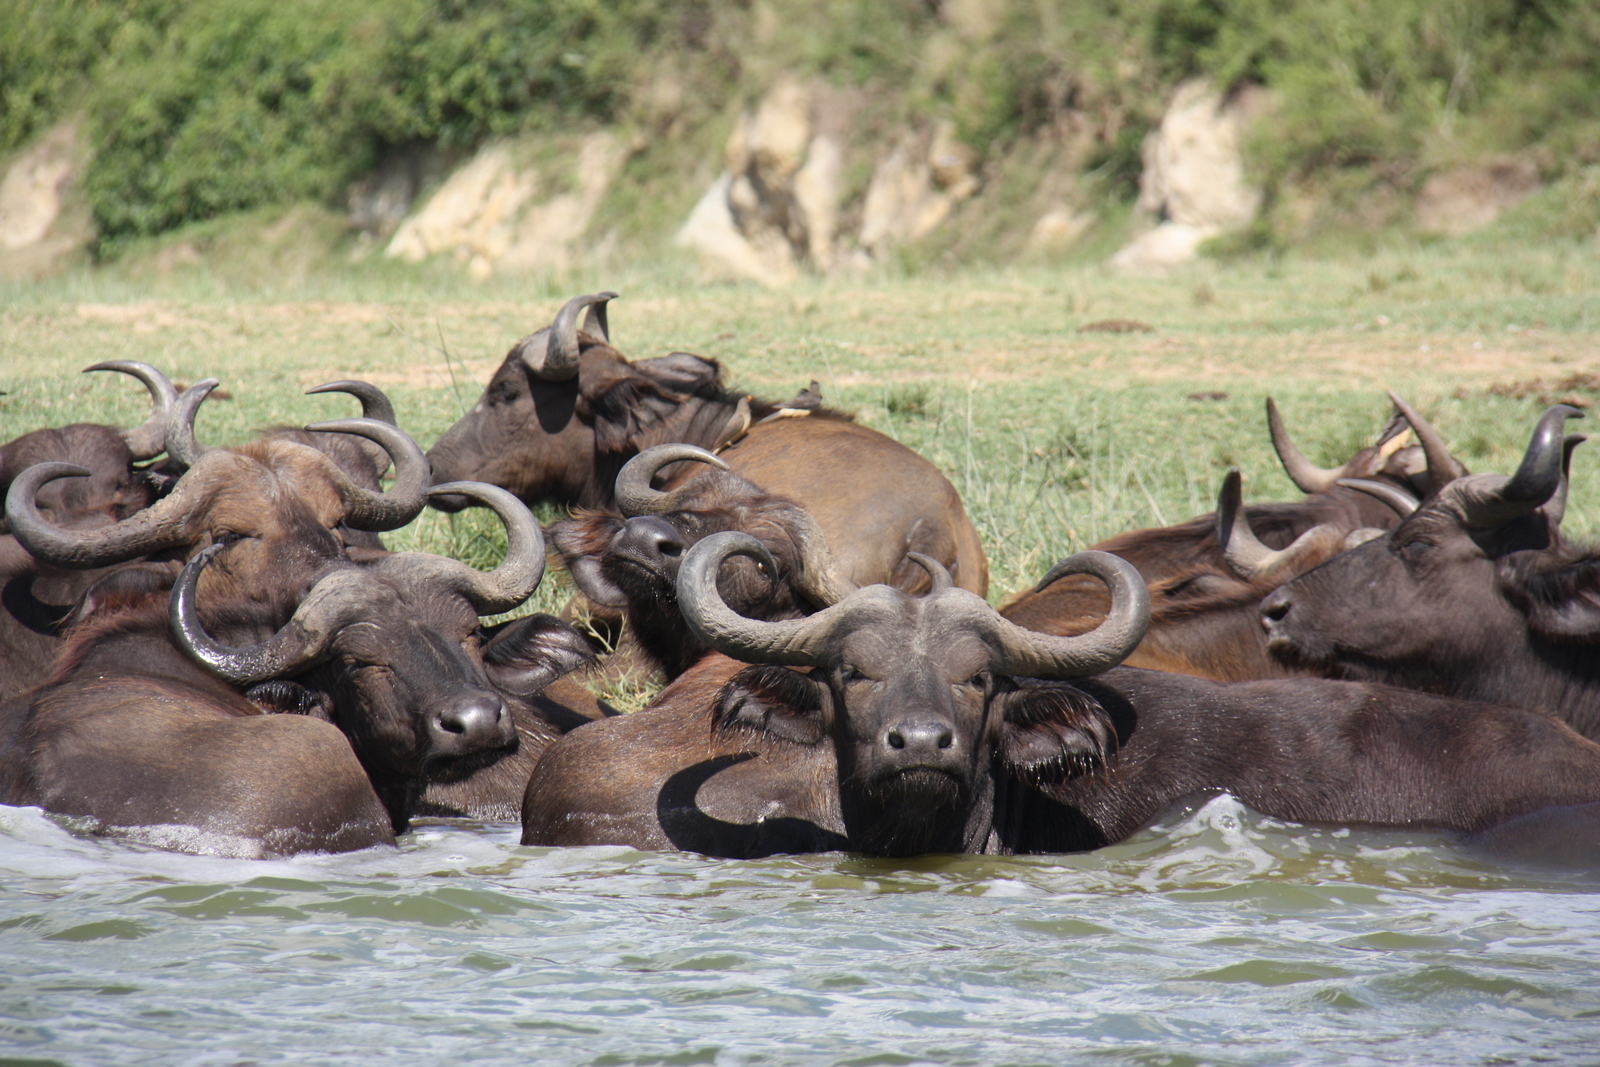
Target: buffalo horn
374,405
1403,502
365,509
1025,652
807,642
1556,509
299,643
1246,555
519,574
1302,472
1442,466
181,443
558,362
1485,501
149,438
160,526
594,322
634,495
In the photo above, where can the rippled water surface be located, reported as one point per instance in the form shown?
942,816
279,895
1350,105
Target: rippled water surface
1219,937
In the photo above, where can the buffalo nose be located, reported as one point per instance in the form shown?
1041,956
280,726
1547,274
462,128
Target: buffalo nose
1275,608
470,723
651,537
916,738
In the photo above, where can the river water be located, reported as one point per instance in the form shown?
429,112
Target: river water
1217,937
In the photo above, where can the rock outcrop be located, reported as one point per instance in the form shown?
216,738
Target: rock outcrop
1193,184
497,213
40,226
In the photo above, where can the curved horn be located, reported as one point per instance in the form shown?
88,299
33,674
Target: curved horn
149,438
365,509
1301,471
290,648
519,574
374,403
1443,468
558,360
1397,498
594,323
1031,654
1246,555
181,443
159,526
792,642
1556,508
1488,500
633,492
937,574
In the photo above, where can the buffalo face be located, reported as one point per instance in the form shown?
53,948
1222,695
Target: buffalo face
1436,599
913,693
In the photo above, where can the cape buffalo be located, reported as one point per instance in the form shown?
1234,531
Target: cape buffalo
925,725
1206,576
154,725
41,596
630,561
566,410
1475,595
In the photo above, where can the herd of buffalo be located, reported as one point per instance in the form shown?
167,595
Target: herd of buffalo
210,649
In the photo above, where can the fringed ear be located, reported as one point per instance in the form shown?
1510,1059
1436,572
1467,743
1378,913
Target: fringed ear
1051,733
770,700
581,541
527,654
1562,603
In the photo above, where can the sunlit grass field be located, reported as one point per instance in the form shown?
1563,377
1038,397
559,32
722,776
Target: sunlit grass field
1057,436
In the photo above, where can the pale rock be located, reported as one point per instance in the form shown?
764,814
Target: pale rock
34,188
1193,178
1168,245
1059,229
490,215
775,207
915,188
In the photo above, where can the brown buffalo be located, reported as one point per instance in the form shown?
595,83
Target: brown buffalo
566,410
155,727
629,562
922,725
1206,576
1475,595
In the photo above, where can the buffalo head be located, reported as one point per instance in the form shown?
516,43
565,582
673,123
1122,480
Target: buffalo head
1450,599
566,410
390,652
113,488
631,561
914,694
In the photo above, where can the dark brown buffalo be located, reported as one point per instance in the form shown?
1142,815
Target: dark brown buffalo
155,727
566,410
919,729
629,561
1475,595
39,599
1205,577
114,488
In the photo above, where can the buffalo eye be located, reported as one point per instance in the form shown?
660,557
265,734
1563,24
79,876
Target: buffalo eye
977,681
502,393
1413,551
850,675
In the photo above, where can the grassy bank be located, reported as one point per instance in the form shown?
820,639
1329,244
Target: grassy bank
1057,436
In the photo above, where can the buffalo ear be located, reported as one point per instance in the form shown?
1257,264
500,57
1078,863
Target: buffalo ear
123,585
1563,605
1051,733
527,654
580,542
774,701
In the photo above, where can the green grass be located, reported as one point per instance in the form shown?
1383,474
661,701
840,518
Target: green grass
1056,438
